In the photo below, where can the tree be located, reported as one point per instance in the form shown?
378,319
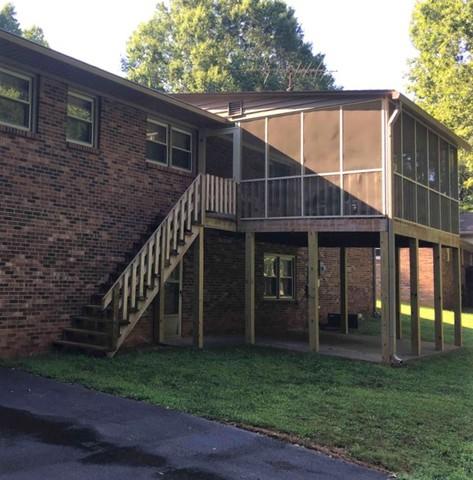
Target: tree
9,22
36,34
224,45
441,74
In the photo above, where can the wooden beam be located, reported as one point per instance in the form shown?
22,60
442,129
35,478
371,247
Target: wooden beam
388,295
313,294
343,291
304,224
414,287
199,289
457,301
427,234
398,293
438,297
250,288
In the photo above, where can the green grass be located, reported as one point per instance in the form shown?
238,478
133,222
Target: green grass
416,420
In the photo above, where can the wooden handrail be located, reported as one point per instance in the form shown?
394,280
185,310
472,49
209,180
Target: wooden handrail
205,193
191,199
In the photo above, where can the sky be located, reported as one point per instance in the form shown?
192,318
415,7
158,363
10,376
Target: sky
365,42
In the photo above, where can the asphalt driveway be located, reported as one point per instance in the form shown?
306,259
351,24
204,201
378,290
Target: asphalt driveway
50,430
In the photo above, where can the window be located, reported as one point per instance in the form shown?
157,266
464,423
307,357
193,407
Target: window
156,142
15,100
278,276
80,127
181,149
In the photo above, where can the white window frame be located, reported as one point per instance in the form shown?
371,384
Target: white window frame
278,257
29,102
93,100
172,147
166,126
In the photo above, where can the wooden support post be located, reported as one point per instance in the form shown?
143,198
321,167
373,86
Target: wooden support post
343,291
414,287
250,288
115,323
199,289
159,312
398,294
313,293
373,280
438,297
388,296
457,302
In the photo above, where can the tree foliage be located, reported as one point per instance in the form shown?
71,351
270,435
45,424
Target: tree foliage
224,45
441,76
9,22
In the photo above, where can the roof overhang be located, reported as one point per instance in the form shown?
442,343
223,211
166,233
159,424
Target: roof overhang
21,52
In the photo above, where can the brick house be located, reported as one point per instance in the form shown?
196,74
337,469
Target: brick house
129,216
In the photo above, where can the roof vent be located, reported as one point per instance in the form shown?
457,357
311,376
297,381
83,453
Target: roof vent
235,108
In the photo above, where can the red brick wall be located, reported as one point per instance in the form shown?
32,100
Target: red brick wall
224,287
69,215
426,282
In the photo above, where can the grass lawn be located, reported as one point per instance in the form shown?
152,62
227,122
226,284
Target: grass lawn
416,420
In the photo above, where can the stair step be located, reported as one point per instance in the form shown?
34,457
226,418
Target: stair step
96,311
102,320
82,331
82,346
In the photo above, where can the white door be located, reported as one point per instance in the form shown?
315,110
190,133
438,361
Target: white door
173,304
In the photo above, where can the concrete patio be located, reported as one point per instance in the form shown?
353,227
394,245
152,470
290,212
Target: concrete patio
352,346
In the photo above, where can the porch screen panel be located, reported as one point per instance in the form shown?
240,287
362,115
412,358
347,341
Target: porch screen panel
409,200
453,173
445,214
397,196
219,156
408,146
322,141
444,168
284,140
362,136
422,205
253,149
252,199
434,173
322,196
434,210
454,216
362,194
397,145
421,154
284,197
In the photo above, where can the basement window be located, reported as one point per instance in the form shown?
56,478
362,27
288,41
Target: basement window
278,277
80,127
15,100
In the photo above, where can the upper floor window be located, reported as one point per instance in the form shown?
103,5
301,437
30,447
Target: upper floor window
80,127
156,142
278,276
181,156
15,100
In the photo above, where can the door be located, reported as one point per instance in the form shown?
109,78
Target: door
173,304
222,156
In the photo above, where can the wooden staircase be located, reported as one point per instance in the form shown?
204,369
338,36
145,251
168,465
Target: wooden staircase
110,318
